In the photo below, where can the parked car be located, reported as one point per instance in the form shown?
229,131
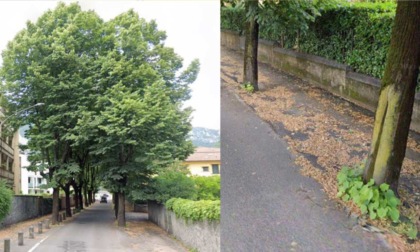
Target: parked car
103,200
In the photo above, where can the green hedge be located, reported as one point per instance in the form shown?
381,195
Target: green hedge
195,210
5,200
208,188
354,34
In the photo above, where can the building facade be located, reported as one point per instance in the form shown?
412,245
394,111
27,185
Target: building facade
9,159
204,161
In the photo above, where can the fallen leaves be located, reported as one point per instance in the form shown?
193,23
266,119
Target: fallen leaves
323,132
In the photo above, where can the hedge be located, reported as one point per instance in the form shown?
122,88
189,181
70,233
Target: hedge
5,200
195,210
354,34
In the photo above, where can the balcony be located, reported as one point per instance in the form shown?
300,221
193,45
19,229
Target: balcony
6,174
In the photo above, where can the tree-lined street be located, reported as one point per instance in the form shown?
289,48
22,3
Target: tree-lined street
94,229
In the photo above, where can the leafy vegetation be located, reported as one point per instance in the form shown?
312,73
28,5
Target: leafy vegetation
172,184
376,201
357,34
248,87
113,95
5,200
195,210
176,181
208,188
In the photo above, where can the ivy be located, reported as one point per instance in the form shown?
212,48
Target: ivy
375,201
195,210
5,200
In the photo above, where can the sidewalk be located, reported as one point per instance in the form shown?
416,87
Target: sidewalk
268,140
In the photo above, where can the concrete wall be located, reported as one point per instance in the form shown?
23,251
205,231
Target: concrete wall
202,235
337,78
27,207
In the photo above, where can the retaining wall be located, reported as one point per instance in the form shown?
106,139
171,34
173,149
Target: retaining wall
201,235
337,78
25,207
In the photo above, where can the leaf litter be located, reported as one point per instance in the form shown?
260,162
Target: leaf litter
336,132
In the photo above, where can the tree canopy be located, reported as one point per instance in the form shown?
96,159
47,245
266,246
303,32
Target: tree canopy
113,95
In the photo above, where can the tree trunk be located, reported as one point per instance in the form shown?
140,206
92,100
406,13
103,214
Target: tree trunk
90,200
121,209
55,206
250,74
80,197
67,195
85,196
115,199
76,197
395,106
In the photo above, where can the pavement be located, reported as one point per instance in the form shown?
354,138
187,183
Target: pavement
267,205
94,229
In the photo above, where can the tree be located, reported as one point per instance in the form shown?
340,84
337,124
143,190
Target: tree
396,98
137,123
250,72
277,17
138,129
49,61
113,96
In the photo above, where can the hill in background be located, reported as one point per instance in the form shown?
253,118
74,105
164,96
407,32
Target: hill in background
204,137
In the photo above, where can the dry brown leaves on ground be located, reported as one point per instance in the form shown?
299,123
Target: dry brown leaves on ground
324,132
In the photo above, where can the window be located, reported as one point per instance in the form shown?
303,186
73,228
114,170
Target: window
4,161
205,168
39,181
215,168
10,164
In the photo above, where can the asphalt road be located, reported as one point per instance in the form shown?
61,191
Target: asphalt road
94,230
267,205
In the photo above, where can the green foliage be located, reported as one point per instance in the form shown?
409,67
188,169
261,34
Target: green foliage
355,34
113,95
168,184
376,201
412,232
5,200
195,210
248,87
208,188
233,19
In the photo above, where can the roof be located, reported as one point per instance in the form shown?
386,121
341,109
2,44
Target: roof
204,154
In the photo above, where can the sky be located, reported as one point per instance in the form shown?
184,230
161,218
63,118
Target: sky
192,29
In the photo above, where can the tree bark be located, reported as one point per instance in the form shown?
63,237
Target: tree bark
67,196
121,209
76,196
395,106
90,200
116,202
55,206
80,197
250,73
85,197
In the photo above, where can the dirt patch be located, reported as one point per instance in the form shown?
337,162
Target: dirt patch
323,131
147,236
12,230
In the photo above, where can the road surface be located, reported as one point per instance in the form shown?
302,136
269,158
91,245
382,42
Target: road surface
94,230
267,205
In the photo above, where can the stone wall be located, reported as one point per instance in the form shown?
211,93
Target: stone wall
27,207
337,78
201,235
